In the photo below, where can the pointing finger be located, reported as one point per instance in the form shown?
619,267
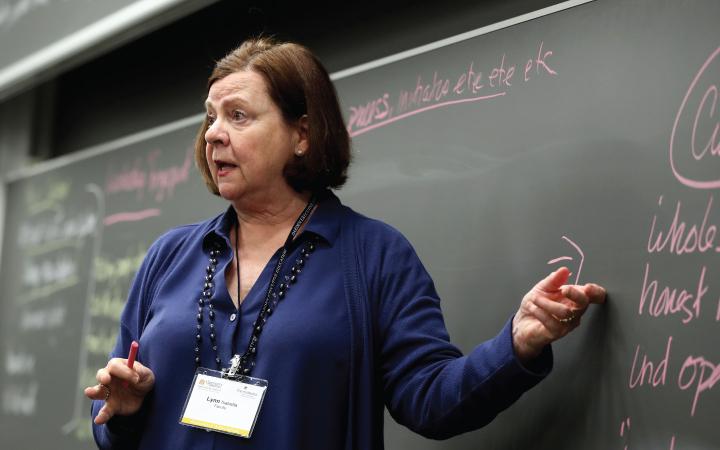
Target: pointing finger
554,281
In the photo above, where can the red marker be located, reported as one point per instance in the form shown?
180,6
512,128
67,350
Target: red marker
131,358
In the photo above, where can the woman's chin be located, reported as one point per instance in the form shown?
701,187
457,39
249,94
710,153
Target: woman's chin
229,192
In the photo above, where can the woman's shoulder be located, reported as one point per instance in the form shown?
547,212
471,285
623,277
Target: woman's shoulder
382,250
373,232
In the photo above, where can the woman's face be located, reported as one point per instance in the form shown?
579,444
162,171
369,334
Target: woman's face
248,141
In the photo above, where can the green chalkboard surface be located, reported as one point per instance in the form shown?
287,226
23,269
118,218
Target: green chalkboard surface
587,137
74,238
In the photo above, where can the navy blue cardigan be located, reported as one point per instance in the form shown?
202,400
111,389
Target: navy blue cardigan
361,329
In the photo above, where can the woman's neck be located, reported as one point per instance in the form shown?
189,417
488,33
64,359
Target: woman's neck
268,221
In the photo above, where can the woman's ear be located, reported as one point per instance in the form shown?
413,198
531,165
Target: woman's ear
303,143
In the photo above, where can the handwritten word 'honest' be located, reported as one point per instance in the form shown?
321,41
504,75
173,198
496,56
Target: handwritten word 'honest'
669,301
442,91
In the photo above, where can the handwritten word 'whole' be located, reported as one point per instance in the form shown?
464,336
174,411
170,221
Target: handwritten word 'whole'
681,236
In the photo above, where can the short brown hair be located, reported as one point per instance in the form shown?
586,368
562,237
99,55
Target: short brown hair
299,85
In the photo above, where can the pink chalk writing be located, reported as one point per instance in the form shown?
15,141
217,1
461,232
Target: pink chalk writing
570,258
712,146
363,115
700,144
427,108
669,301
424,93
469,80
562,258
133,179
625,424
440,91
696,374
700,373
541,60
162,182
146,177
647,372
680,237
130,216
500,76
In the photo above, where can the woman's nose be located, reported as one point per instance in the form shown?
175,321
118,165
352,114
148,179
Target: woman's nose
215,134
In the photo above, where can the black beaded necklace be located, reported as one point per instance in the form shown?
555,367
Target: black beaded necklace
242,365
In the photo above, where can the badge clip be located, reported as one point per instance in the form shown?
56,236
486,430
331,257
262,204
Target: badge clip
232,372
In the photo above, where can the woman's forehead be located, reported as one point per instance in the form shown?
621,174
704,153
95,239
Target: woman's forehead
246,84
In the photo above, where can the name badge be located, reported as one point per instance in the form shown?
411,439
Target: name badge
224,405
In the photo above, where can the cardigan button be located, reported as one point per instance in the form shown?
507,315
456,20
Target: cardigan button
233,316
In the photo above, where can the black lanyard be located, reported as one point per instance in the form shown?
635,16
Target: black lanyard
242,365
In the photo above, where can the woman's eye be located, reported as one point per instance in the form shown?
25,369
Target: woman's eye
210,119
238,115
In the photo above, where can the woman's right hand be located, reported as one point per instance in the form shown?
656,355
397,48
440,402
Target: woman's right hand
127,388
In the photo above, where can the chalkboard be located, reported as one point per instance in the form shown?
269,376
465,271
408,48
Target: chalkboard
74,238
584,138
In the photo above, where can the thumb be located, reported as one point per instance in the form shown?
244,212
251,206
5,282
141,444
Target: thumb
554,281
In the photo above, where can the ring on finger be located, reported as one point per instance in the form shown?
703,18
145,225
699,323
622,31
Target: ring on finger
107,390
568,319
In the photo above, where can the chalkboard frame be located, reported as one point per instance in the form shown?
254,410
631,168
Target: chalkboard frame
93,39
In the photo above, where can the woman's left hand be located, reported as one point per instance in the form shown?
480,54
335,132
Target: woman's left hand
549,311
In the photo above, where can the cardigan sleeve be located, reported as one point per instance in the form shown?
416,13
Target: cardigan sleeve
123,432
428,385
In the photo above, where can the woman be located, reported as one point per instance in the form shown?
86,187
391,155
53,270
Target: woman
333,309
